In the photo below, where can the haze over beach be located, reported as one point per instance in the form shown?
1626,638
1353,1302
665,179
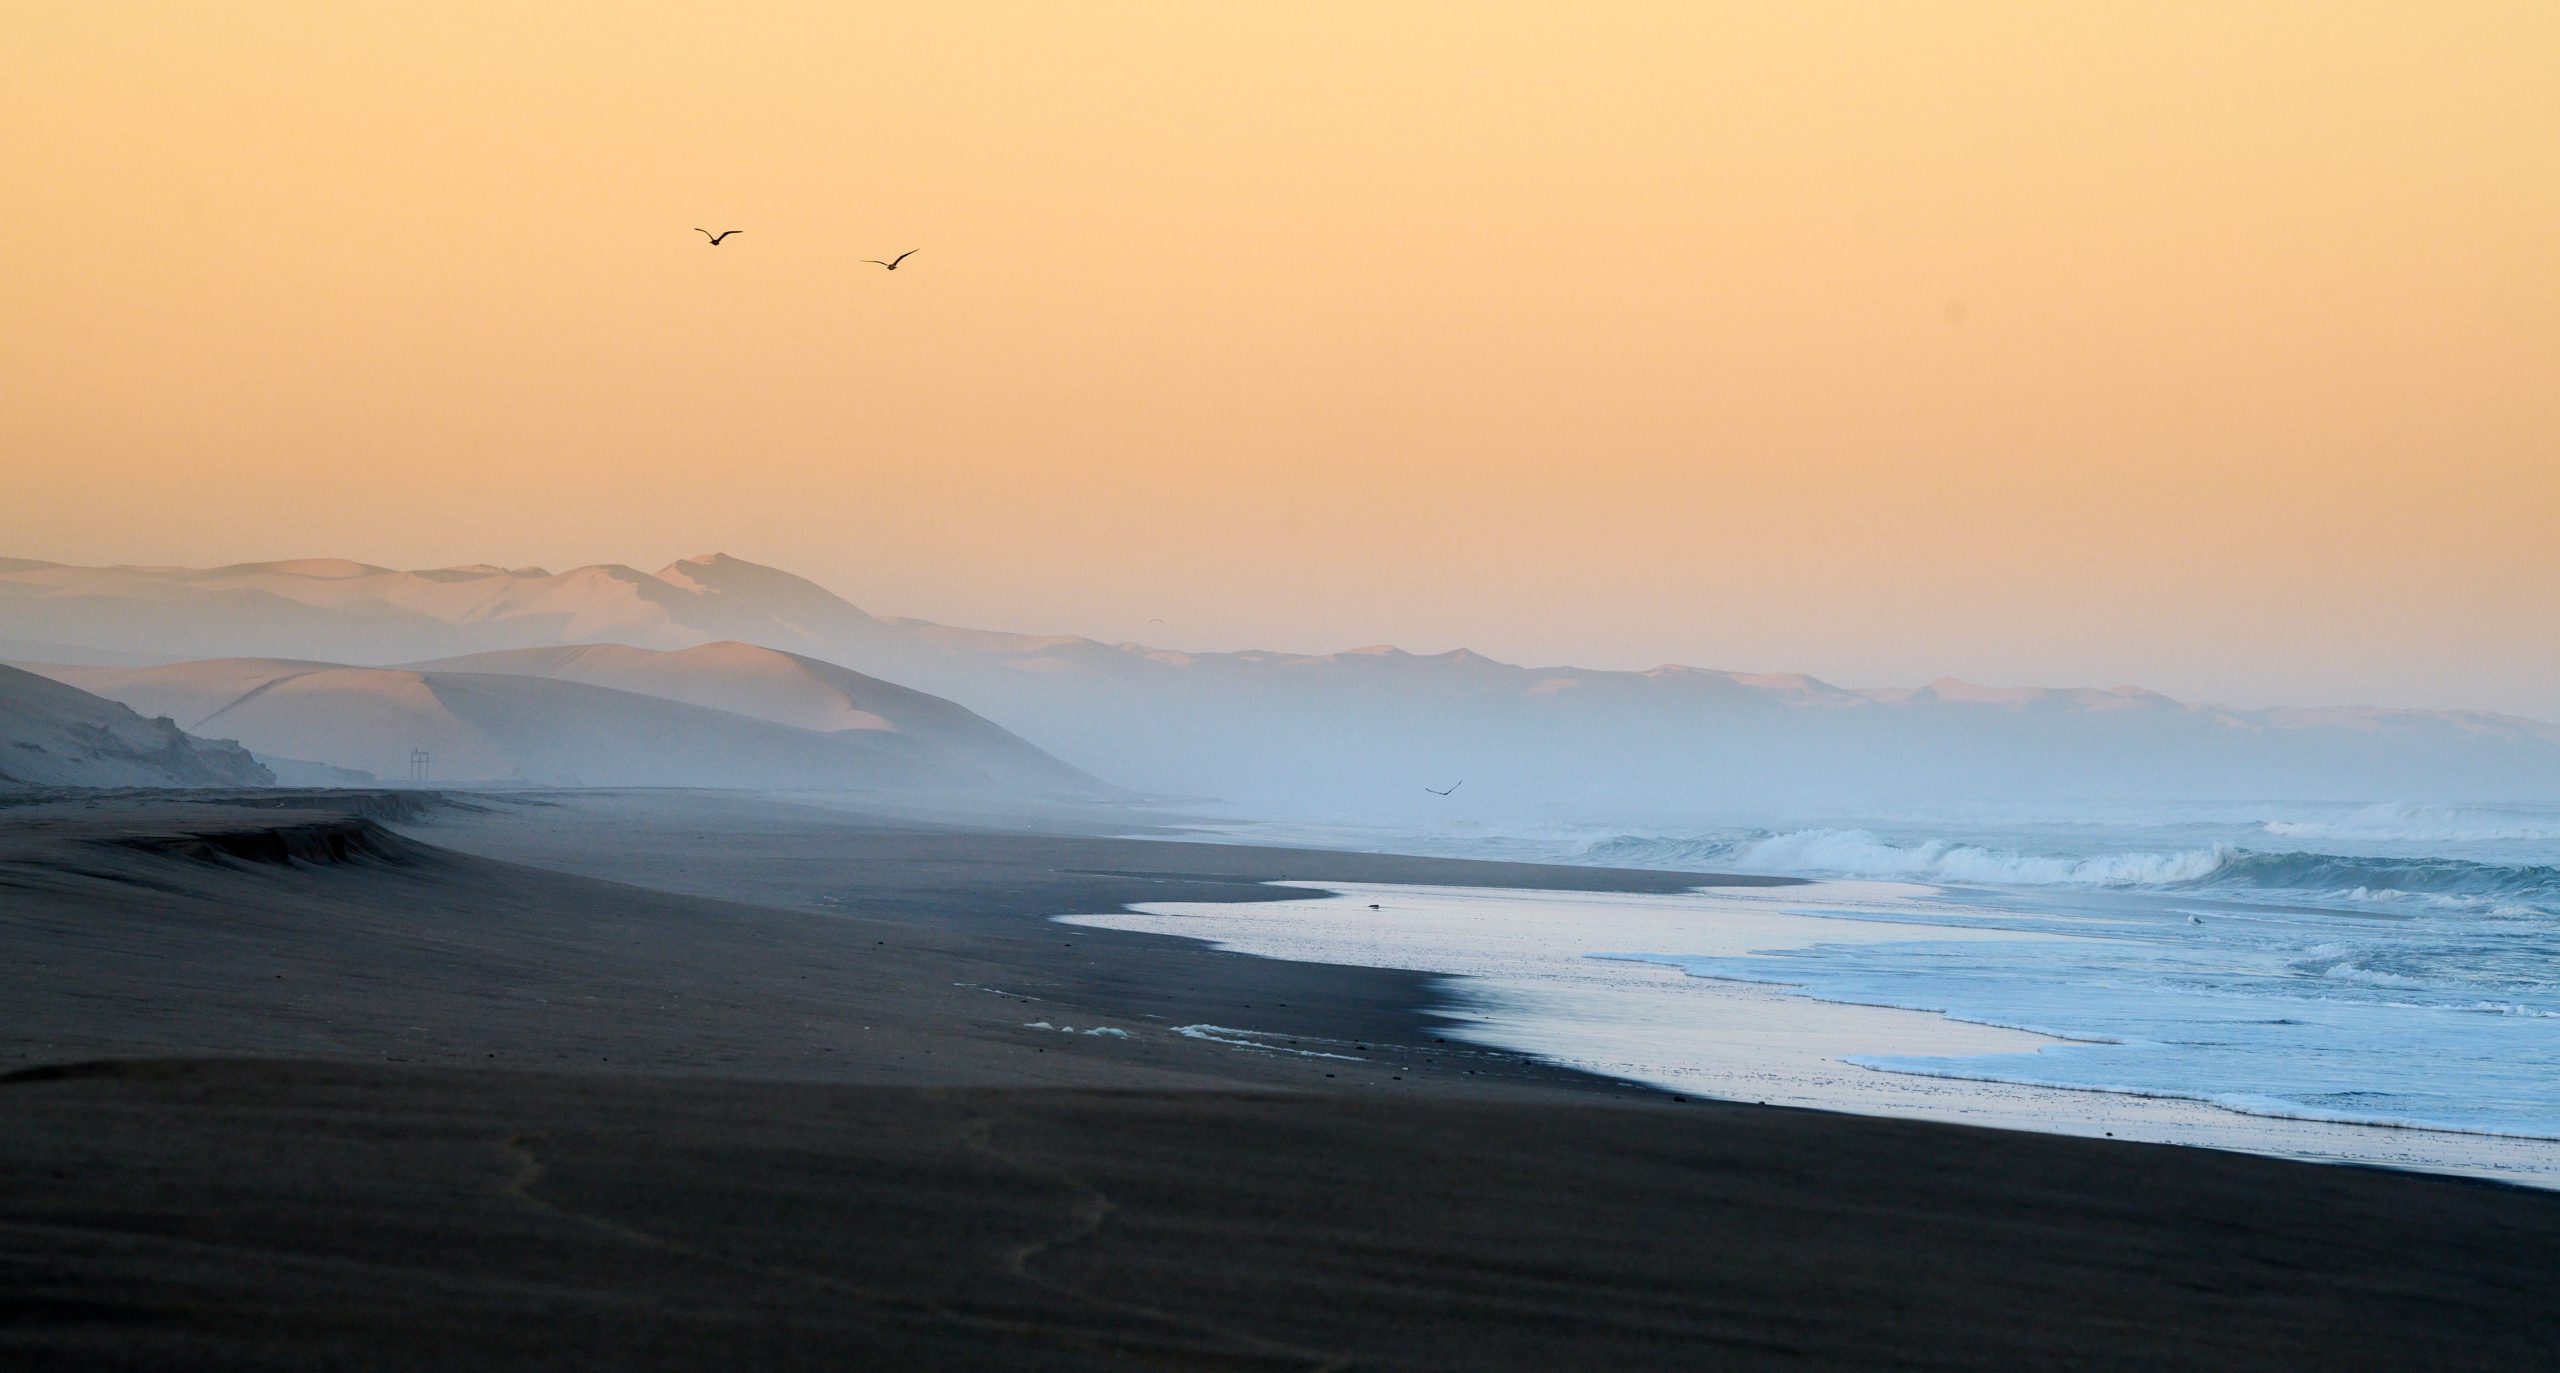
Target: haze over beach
1265,686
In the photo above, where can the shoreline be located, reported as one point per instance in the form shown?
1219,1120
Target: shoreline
1644,1018
676,1080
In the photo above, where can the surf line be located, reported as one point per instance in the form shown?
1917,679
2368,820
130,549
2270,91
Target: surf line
1253,1039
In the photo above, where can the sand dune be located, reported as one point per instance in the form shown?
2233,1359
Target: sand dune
1353,732
53,734
785,689
493,727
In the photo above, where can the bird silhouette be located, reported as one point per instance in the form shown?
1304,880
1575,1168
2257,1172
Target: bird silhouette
1453,786
892,264
715,238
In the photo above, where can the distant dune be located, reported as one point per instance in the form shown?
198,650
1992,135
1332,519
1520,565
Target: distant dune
496,727
785,689
1333,734
54,735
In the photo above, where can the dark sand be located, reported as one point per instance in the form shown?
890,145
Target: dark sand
406,1100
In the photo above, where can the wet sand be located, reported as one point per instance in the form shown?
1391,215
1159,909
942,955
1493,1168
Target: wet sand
433,1092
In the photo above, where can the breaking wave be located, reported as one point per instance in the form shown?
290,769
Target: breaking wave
1862,853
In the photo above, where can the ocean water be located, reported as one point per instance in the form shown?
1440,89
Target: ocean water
2389,964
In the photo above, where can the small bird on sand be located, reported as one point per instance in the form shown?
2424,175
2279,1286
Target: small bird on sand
715,238
892,264
1453,786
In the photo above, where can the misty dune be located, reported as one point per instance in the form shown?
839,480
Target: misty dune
56,735
494,727
785,689
1294,733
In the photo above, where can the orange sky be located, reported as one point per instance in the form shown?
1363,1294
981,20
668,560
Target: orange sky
2211,347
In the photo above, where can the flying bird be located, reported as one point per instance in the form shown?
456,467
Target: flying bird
892,264
715,238
1453,786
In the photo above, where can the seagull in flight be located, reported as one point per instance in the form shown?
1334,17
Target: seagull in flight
1453,786
892,264
715,238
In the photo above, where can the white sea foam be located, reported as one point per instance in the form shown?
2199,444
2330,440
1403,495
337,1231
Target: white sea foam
1105,1031
2243,1103
1859,853
1254,1039
2518,879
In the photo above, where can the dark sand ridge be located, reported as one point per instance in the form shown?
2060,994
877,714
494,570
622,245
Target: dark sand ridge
647,1128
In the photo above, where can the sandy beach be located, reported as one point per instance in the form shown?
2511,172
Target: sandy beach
667,1080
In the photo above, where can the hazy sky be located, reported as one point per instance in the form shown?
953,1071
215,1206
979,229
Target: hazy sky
2212,347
